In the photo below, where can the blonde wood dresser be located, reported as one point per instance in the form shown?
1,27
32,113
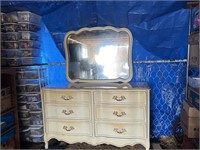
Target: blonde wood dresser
116,114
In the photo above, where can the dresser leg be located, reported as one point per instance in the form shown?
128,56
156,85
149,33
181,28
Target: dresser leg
46,144
147,147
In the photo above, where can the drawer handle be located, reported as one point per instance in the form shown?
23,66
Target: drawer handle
68,129
67,112
121,98
66,98
119,114
119,131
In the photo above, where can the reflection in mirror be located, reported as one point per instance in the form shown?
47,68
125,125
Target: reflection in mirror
97,54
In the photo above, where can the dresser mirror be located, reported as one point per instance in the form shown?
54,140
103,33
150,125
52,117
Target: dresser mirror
99,54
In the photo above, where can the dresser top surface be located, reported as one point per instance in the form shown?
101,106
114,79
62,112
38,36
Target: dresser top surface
130,85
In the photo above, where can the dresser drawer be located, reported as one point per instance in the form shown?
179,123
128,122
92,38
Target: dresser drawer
67,111
121,130
67,96
69,127
121,97
123,113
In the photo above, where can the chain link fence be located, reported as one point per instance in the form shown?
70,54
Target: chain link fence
168,90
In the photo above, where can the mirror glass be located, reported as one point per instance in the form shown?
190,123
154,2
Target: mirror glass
96,54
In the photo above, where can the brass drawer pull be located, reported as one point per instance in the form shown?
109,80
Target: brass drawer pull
67,98
121,98
70,128
67,112
119,114
119,131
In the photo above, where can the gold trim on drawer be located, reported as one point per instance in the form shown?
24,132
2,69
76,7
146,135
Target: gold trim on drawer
68,111
121,97
120,130
120,113
67,96
69,127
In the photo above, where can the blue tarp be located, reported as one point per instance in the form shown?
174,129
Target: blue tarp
160,32
160,28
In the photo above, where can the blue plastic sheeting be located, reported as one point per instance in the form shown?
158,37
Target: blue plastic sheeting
71,17
40,7
50,52
164,37
56,73
160,28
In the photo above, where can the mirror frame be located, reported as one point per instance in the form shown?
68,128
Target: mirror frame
100,85
100,80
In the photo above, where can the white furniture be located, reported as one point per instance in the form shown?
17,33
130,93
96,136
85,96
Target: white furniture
98,111
117,115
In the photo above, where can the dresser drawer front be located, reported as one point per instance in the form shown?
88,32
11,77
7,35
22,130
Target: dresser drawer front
123,113
67,111
67,96
121,130
121,97
69,127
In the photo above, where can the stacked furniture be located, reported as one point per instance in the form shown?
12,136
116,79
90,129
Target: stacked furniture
9,113
30,80
194,67
20,39
193,83
100,110
190,110
20,49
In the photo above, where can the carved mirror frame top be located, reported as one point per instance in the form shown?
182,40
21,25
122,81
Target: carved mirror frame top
100,29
